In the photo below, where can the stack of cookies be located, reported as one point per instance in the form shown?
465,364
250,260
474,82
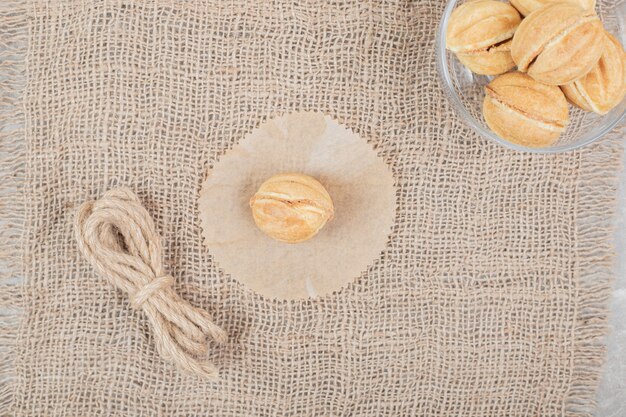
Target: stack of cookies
562,52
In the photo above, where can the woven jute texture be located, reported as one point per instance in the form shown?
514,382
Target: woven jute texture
489,299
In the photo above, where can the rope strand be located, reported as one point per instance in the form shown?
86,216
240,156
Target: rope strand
117,236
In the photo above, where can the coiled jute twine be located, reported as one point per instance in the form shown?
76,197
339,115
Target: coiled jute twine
117,236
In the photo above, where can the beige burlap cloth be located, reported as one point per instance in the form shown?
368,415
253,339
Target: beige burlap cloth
488,301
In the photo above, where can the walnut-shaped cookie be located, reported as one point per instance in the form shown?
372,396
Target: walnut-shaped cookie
523,111
558,43
479,33
604,86
291,208
492,61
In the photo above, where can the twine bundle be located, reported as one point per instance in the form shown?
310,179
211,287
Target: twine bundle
117,236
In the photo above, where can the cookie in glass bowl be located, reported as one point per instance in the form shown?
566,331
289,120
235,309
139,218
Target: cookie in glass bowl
558,43
524,111
604,87
480,33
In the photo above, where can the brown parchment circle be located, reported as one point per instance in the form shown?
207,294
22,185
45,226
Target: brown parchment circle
359,182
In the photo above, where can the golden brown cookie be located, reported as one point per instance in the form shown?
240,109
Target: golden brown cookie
525,7
523,111
604,86
492,61
291,208
558,43
479,33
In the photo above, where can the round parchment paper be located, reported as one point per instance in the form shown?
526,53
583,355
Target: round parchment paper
359,182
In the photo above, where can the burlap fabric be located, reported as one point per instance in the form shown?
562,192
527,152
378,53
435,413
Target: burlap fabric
488,301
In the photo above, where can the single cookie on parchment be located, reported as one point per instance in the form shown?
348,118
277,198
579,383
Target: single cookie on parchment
359,182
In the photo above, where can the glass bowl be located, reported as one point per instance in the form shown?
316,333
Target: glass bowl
465,90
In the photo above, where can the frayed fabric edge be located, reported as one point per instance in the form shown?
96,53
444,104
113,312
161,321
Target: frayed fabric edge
14,35
594,269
